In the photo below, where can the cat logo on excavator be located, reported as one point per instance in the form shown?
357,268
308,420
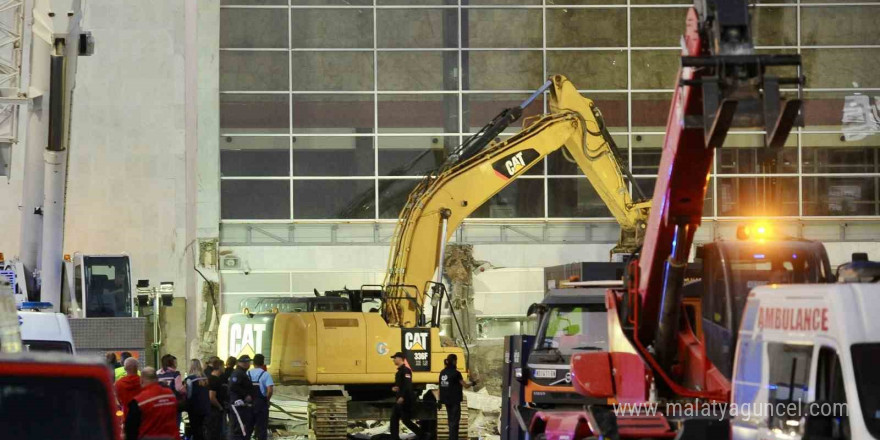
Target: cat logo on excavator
509,165
415,341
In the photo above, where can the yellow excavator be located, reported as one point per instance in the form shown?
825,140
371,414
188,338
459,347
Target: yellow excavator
329,340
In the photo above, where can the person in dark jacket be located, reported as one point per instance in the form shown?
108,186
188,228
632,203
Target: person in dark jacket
198,403
230,367
405,399
241,398
216,420
451,385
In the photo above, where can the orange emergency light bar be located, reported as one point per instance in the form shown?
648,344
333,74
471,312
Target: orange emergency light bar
758,231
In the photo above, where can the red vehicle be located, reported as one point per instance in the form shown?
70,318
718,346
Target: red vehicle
654,355
56,396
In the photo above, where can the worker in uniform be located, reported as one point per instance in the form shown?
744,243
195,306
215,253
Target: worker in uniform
262,380
451,385
241,400
405,399
120,372
152,414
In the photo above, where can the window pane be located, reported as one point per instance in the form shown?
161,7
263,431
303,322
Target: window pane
840,196
758,196
413,155
255,199
480,108
565,27
774,26
393,194
418,70
333,199
417,2
574,198
858,110
418,113
505,2
253,28
746,153
559,165
332,156
613,108
332,2
824,111
333,113
647,187
650,111
856,67
591,70
657,27
647,149
417,28
838,153
503,70
655,2
336,71
655,69
522,198
840,25
254,113
255,156
331,28
253,2
253,71
509,28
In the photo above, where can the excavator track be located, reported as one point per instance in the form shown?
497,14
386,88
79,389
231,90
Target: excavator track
328,416
443,423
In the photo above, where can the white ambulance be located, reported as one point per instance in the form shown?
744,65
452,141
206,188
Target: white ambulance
808,363
45,331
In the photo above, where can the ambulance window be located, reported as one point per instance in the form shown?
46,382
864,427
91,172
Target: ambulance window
748,370
830,414
789,371
865,358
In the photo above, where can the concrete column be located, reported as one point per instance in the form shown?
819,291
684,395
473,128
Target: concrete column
202,154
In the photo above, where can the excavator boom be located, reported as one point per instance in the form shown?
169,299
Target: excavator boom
441,201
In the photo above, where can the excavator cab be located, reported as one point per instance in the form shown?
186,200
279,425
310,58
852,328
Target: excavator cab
97,286
731,269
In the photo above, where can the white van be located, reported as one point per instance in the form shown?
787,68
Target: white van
45,331
808,363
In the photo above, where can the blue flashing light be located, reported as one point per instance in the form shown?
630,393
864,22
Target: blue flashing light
794,256
35,305
759,256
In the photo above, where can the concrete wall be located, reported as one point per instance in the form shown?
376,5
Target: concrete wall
126,190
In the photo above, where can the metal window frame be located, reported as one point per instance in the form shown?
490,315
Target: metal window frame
629,130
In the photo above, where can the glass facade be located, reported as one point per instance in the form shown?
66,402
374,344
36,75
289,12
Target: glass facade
332,109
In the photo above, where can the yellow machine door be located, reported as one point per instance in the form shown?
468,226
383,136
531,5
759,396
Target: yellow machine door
341,340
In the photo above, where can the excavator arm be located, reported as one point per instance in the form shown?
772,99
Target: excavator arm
441,201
